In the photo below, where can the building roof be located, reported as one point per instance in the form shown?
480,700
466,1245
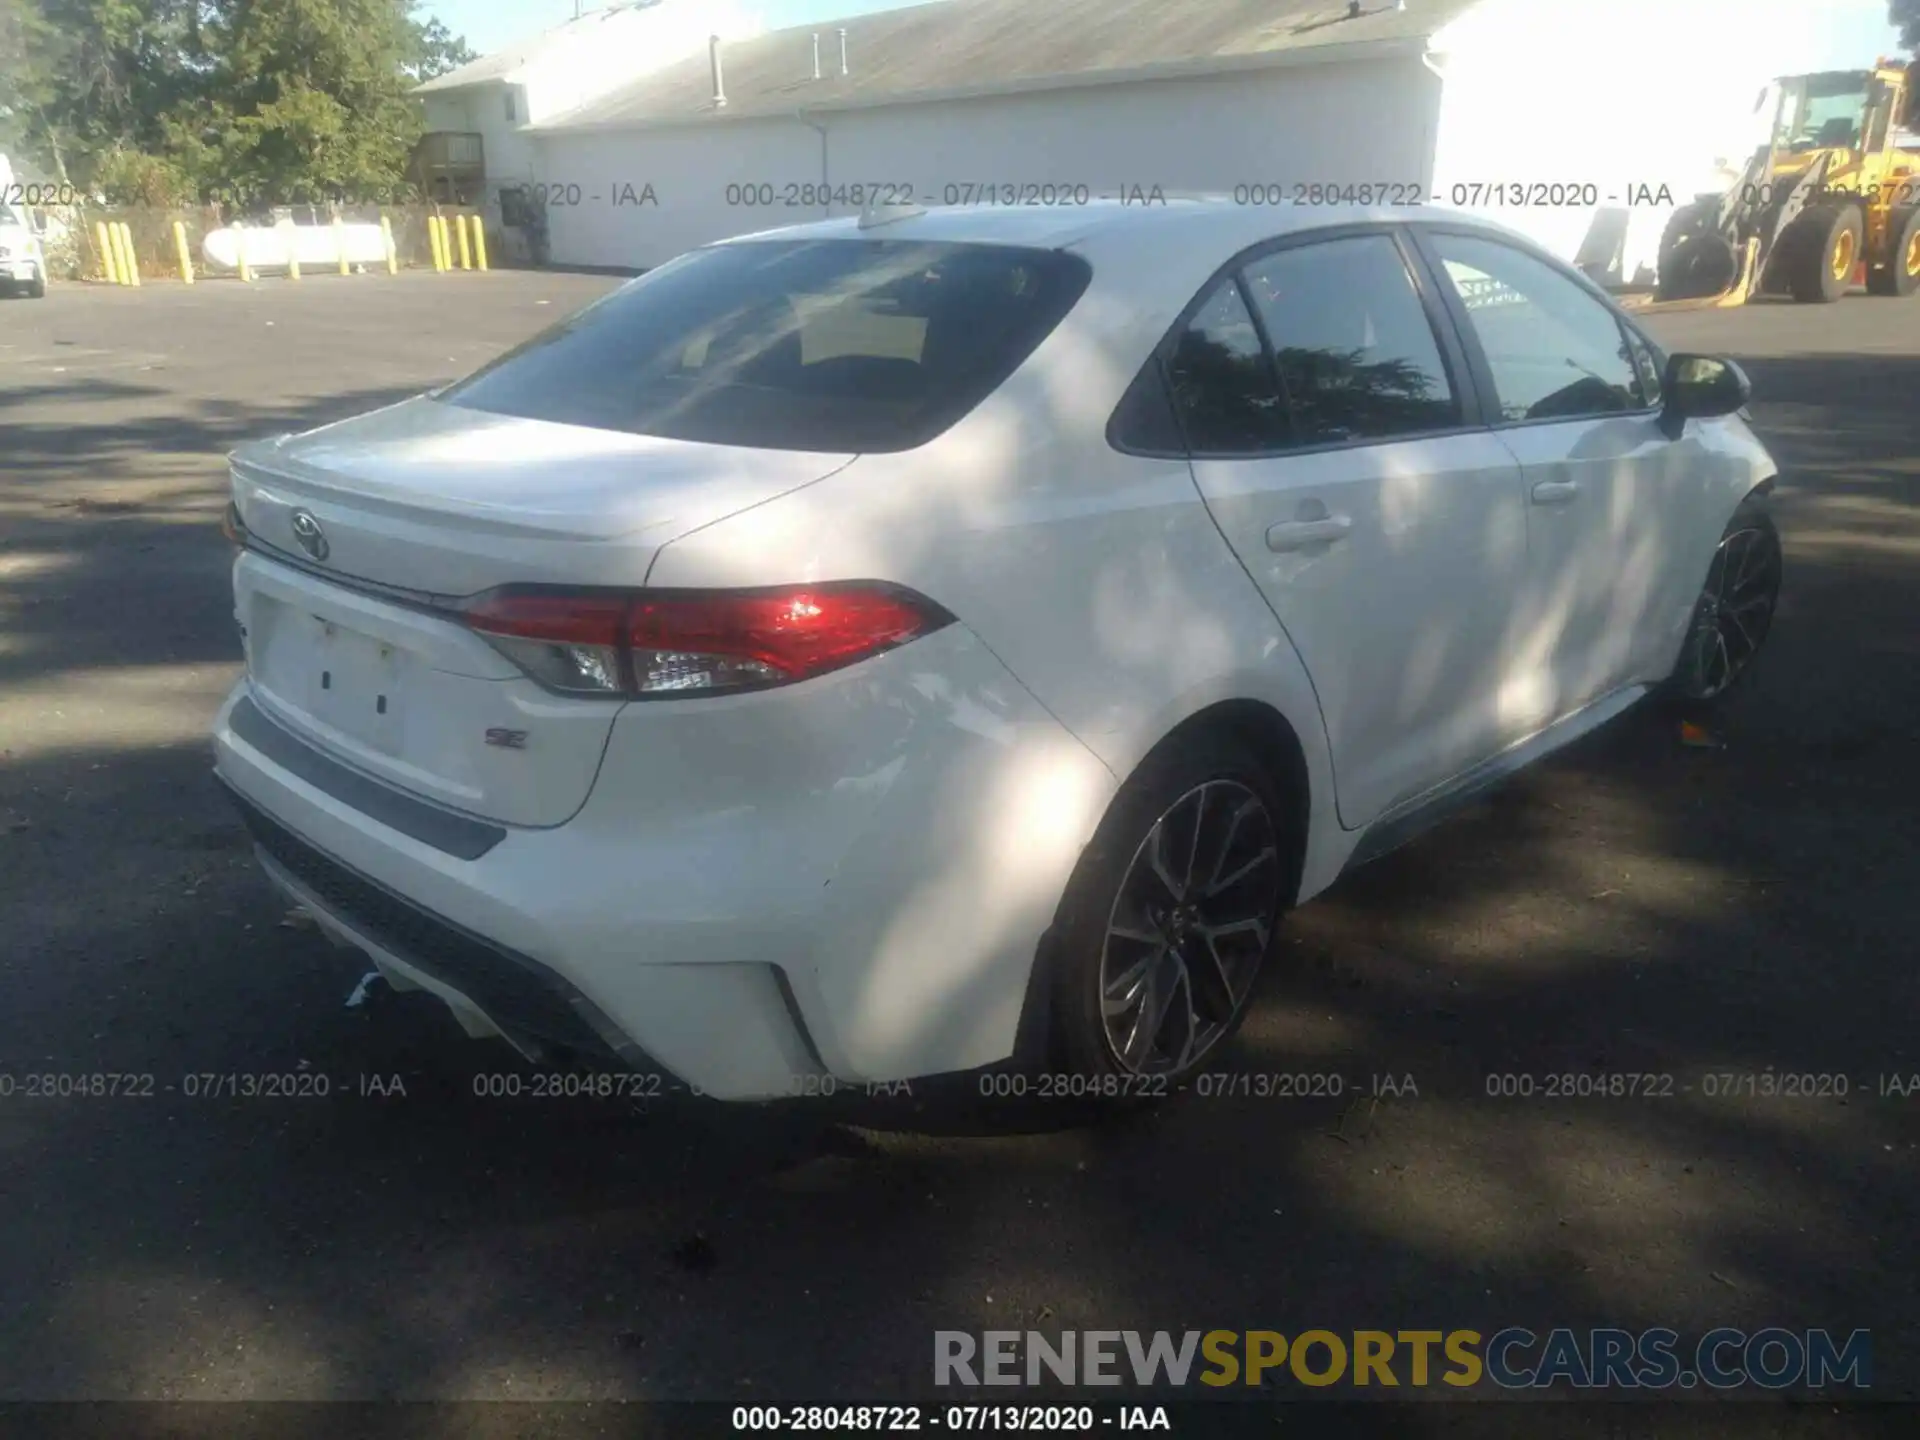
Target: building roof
503,64
954,48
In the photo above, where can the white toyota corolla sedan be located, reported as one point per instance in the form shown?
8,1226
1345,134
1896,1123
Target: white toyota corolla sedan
906,645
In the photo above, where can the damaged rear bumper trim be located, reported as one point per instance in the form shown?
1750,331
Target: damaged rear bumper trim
446,831
519,996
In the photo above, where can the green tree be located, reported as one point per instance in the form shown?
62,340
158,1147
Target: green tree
307,100
252,101
437,50
20,90
100,74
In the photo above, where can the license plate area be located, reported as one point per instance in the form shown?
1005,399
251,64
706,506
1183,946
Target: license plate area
340,678
321,659
357,685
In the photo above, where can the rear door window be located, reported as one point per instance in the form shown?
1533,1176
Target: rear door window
1357,355
829,345
1224,387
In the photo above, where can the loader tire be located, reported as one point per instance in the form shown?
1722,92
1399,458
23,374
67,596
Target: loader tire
1687,267
1818,252
1702,267
1897,272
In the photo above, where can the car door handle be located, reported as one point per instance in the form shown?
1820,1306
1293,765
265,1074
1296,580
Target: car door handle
1556,492
1299,534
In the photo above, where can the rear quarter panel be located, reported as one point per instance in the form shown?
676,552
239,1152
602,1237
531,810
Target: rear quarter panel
1098,578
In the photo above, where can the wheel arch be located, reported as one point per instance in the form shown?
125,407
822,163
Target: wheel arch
1271,737
1266,731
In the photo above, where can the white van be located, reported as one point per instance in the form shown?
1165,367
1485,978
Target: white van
23,265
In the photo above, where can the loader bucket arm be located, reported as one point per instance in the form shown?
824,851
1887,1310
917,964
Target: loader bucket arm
1737,202
1813,179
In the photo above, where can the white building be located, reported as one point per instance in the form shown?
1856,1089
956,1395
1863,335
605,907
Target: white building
478,117
1575,107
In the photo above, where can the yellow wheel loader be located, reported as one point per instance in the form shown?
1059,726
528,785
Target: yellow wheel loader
1832,200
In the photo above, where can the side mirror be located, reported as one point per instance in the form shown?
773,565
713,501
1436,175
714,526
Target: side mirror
1701,387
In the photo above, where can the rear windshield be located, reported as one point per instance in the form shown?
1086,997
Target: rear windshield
848,345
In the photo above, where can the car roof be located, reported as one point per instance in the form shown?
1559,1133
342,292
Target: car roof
1209,221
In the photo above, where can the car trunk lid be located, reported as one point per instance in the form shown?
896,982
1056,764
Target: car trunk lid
363,537
436,498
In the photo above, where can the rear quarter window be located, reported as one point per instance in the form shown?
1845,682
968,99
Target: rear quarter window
831,345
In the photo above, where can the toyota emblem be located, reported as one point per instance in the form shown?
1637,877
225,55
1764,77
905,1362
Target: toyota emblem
307,531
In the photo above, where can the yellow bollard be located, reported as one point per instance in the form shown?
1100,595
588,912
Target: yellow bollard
466,252
479,244
293,256
246,271
340,244
386,241
109,262
129,257
180,249
433,242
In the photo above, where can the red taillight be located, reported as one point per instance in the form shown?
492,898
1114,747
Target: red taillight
688,643
581,619
792,634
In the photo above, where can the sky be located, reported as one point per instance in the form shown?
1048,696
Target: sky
1856,32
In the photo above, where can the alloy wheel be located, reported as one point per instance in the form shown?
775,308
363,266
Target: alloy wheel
1735,610
1843,252
1189,928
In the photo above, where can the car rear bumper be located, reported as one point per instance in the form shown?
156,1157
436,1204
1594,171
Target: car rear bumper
499,991
848,877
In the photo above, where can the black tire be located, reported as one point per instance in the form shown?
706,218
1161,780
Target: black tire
1734,615
37,288
1688,260
1107,889
1897,271
1702,267
1818,252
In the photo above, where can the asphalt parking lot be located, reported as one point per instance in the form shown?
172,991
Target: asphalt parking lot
1636,906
